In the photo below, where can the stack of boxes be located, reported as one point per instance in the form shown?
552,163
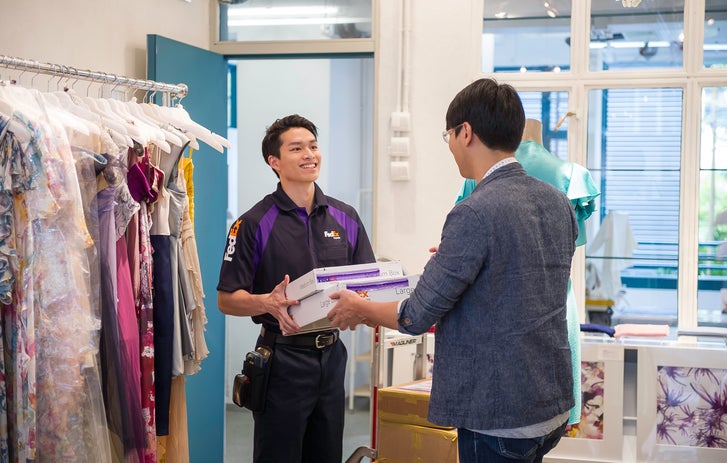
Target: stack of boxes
379,281
404,433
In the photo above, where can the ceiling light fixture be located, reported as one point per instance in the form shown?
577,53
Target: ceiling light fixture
630,3
288,16
284,11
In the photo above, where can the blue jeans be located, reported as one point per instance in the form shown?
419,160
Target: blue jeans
475,447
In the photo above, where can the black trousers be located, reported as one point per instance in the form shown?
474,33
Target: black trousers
305,406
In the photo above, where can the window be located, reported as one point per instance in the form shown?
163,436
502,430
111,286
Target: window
650,35
265,20
526,36
645,85
635,134
715,41
712,269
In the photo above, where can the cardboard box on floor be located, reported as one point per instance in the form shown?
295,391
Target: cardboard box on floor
405,435
311,313
408,443
406,403
318,279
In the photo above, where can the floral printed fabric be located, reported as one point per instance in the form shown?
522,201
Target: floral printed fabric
691,406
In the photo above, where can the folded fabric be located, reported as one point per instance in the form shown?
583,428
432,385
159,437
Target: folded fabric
713,331
634,329
596,328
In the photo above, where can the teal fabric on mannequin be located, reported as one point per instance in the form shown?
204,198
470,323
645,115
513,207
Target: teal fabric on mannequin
572,179
576,182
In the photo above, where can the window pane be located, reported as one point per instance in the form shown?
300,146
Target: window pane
261,20
632,250
712,288
715,34
527,35
649,35
548,108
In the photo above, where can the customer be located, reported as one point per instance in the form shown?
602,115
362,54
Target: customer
496,289
286,234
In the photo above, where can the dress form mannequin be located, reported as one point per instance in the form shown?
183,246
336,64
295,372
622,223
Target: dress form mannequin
533,131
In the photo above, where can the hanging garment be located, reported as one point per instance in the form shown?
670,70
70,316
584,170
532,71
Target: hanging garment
616,243
20,172
77,357
145,309
112,366
174,448
165,287
191,259
69,412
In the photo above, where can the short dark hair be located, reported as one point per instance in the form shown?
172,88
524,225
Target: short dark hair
271,141
494,111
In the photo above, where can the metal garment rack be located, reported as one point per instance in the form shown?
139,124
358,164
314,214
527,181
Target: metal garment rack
177,91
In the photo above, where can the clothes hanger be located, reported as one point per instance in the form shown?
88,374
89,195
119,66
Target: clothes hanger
180,117
18,129
58,114
18,103
64,99
172,135
154,111
152,133
117,131
114,121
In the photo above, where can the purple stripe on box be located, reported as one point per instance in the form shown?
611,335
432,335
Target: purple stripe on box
374,285
350,275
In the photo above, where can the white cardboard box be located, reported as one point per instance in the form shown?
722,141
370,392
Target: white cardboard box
383,289
311,313
319,278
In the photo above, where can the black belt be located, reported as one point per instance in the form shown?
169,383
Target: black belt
318,340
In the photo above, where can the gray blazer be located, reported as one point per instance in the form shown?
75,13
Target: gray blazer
496,289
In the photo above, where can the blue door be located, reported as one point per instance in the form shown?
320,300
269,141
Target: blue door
205,73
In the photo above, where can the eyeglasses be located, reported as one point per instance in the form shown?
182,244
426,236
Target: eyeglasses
446,133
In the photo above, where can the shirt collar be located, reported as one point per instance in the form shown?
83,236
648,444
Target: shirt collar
498,164
284,202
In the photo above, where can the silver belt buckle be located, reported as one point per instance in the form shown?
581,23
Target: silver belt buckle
324,340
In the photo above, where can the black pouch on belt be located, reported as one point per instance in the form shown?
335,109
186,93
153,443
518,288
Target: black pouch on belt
250,386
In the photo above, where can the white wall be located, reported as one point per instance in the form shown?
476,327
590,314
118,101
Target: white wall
445,42
99,35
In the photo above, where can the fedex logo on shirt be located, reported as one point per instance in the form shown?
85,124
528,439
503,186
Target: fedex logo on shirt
232,240
332,234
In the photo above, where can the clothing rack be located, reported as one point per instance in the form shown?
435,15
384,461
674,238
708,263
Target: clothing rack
178,91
